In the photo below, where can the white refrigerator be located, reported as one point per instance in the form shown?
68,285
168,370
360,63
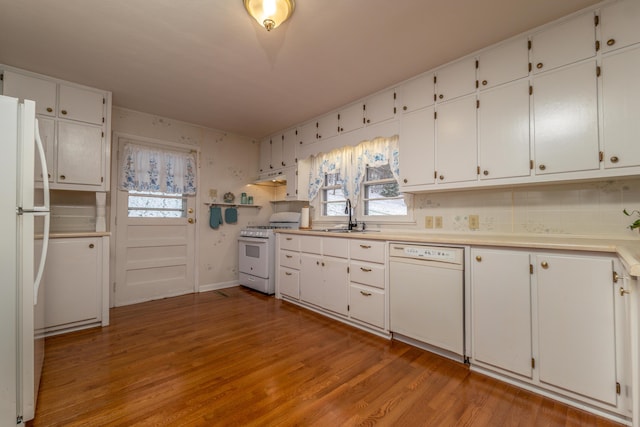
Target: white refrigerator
24,235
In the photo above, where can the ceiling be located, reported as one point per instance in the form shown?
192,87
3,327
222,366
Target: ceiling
208,62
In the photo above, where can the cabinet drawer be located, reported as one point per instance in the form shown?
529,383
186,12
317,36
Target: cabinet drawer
366,304
335,246
311,244
367,274
367,250
289,282
290,259
290,242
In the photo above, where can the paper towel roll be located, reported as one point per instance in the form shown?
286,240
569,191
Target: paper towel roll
304,217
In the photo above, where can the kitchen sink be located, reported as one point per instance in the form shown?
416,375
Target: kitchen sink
344,230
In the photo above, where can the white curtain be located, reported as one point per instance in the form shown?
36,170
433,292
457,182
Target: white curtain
153,169
351,163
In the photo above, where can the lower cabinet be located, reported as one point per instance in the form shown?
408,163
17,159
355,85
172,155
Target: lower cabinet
551,320
76,280
324,281
366,304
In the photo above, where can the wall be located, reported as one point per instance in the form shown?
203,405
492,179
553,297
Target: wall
227,163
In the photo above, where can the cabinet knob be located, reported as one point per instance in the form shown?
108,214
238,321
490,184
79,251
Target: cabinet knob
341,129
544,264
441,177
63,177
366,294
300,142
64,112
322,263
539,65
282,163
405,180
542,167
611,42
485,173
48,175
404,108
270,166
441,96
614,159
478,258
91,246
484,83
368,120
49,110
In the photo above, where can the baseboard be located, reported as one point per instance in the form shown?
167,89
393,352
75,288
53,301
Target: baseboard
216,286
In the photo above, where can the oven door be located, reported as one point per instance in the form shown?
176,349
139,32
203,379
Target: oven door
253,256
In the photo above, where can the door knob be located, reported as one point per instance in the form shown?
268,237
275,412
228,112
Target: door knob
190,221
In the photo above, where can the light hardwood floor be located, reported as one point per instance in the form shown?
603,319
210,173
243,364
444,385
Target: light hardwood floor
238,358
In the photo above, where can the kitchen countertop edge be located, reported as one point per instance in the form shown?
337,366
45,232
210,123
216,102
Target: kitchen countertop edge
72,234
627,249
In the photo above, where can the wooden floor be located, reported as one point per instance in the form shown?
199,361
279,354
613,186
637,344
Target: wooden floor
238,358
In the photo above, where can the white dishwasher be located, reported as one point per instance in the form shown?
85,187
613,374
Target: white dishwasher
426,296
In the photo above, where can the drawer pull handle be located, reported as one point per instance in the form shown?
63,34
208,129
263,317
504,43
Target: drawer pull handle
544,264
91,246
478,258
366,270
365,246
289,256
289,238
624,292
366,294
287,273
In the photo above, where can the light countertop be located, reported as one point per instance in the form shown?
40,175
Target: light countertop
72,234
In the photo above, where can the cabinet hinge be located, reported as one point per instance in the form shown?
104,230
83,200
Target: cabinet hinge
296,170
296,131
394,95
477,103
596,20
435,97
102,179
103,134
530,90
435,174
1,77
104,101
597,45
283,137
598,71
364,107
615,277
530,67
477,64
338,116
477,84
478,170
530,268
364,120
529,44
348,270
435,115
533,363
531,164
618,388
601,156
394,110
435,79
348,307
103,120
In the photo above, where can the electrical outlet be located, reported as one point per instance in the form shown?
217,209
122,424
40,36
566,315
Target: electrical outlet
474,222
438,221
213,193
428,222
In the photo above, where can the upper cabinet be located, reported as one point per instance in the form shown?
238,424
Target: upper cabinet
289,148
504,63
327,126
74,125
564,43
380,107
417,149
456,80
307,133
620,25
350,118
264,164
456,141
417,93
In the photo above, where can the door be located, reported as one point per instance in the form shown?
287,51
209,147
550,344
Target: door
155,242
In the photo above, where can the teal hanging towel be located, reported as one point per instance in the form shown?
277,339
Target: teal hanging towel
231,215
215,217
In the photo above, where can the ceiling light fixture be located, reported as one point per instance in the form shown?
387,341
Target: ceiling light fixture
270,13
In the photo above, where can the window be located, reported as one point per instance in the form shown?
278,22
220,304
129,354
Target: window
382,193
156,205
333,199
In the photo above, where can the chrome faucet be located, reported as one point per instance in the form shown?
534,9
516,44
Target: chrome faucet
349,210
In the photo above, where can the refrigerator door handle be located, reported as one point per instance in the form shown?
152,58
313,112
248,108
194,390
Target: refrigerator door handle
45,173
43,256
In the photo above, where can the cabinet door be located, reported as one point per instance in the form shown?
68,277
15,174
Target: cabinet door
566,120
366,304
417,148
504,63
311,279
336,284
265,156
47,134
380,107
576,325
503,139
619,24
456,80
328,126
456,142
417,93
564,43
80,152
307,133
620,106
81,104
289,282
501,309
277,142
289,148
73,293
43,92
350,118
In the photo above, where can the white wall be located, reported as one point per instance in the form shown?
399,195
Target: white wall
227,163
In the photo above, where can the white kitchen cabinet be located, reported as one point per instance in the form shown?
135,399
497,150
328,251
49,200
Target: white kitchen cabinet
501,309
76,277
327,126
350,118
565,115
576,325
620,107
80,104
455,80
417,93
289,282
417,148
504,63
80,154
324,282
619,24
311,279
366,304
380,107
289,148
264,164
277,142
456,141
42,91
564,43
503,131
47,135
297,181
307,133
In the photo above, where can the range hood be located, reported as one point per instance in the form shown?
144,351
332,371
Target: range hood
271,179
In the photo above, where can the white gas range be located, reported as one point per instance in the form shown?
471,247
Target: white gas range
256,252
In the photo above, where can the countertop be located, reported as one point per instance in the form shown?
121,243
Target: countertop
627,249
72,234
